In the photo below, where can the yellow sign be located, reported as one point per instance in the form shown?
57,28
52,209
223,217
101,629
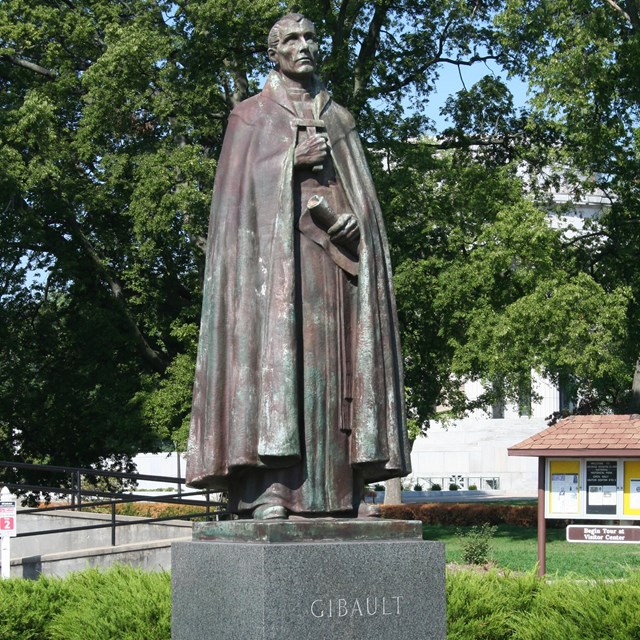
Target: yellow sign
631,488
564,494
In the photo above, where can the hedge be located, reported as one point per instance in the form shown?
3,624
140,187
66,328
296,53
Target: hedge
467,514
129,604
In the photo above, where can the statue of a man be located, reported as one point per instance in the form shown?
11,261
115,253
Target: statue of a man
298,397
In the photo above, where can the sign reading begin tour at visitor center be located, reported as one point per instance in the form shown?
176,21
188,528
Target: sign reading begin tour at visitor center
596,489
603,533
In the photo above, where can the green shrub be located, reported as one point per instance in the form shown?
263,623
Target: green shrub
490,606
473,487
435,487
129,604
453,487
481,606
122,603
476,543
417,487
27,607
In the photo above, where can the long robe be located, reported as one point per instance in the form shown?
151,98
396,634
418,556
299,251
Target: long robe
270,419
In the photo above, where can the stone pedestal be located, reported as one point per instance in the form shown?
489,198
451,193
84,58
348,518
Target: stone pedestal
308,580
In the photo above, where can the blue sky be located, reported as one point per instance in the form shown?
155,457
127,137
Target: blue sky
453,79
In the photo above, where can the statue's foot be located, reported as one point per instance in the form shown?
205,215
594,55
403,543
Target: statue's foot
369,510
270,512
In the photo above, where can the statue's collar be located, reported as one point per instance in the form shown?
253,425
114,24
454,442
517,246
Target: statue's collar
275,89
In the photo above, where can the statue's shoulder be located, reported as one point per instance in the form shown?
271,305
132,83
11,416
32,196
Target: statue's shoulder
342,116
249,110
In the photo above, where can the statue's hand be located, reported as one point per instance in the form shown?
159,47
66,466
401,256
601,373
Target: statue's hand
345,230
312,151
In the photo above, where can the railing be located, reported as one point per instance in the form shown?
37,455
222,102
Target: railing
482,483
83,498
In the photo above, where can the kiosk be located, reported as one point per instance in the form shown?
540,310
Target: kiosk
588,469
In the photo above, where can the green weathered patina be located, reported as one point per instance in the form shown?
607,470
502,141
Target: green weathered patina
309,530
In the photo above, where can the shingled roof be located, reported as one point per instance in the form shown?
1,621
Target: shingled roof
579,436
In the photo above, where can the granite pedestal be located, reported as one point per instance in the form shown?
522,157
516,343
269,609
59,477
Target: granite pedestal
308,580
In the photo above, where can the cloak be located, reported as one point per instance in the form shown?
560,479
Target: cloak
247,396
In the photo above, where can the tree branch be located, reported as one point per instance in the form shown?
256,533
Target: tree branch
400,84
32,66
240,83
366,56
484,141
145,349
620,10
440,50
584,236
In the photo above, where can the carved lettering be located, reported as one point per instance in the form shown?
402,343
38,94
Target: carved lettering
360,607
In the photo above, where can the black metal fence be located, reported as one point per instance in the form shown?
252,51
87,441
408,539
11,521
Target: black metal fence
73,484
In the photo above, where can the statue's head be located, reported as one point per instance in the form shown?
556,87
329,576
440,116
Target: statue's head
293,46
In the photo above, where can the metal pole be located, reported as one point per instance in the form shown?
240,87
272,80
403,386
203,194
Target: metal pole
542,524
72,495
113,524
79,485
6,557
179,472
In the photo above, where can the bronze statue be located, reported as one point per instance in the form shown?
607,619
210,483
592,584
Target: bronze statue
298,397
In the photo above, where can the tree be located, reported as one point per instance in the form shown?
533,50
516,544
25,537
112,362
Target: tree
581,60
111,118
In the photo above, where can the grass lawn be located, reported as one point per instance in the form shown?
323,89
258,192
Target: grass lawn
515,548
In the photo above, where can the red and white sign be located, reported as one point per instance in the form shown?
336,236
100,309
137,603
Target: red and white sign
8,519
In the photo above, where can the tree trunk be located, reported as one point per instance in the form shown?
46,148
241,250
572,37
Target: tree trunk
393,491
635,390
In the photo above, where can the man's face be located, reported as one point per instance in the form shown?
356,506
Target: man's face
297,49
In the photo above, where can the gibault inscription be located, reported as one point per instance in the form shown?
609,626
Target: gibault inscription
356,608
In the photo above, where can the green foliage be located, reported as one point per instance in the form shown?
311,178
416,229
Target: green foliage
481,606
487,290
476,543
581,62
495,607
129,604
120,603
515,548
27,608
112,115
